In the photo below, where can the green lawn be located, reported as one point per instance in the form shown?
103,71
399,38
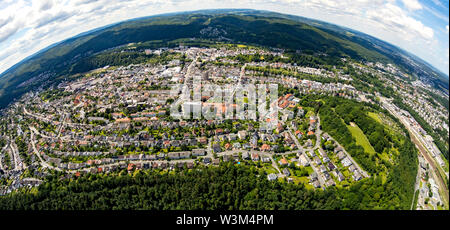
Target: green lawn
361,139
270,169
302,180
375,117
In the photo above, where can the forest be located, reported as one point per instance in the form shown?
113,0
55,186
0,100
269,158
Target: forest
336,112
228,187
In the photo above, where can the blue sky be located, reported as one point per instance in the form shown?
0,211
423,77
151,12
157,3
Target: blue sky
418,26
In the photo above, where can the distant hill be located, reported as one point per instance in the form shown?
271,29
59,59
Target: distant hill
242,26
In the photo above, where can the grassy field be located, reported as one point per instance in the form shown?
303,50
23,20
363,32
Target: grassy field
361,139
375,117
302,180
270,169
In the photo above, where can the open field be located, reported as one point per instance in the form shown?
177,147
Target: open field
361,139
375,117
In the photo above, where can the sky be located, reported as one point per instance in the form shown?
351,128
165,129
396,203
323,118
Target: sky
418,26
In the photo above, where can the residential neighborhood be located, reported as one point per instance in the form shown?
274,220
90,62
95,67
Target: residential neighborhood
123,118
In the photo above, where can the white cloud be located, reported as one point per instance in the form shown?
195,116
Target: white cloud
8,29
446,27
439,3
393,17
50,21
412,4
43,5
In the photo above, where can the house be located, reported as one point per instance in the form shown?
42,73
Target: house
288,97
279,128
303,161
206,160
274,148
216,161
265,147
321,152
312,120
346,162
331,166
242,134
180,165
341,155
339,175
316,184
357,176
255,157
330,182
218,132
265,159
173,156
202,140
300,112
313,176
326,175
272,177
309,143
322,169
299,134
283,162
192,141
286,172
198,152
254,142
184,155
216,148
123,120
246,146
245,156
317,160
352,168
226,158
223,137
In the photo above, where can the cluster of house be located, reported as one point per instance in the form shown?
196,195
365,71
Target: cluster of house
123,158
257,139
132,162
346,162
20,183
310,87
94,109
326,166
302,69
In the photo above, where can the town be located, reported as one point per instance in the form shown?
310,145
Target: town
119,118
